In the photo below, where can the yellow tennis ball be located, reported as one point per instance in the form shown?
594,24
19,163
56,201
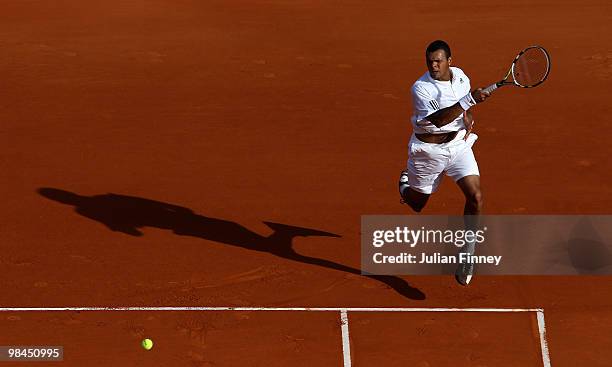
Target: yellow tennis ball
147,344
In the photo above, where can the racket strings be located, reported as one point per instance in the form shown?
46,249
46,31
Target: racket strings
531,68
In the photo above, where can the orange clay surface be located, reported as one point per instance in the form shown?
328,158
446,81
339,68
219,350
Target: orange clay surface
143,144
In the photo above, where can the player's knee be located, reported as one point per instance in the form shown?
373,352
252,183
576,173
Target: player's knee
417,207
475,199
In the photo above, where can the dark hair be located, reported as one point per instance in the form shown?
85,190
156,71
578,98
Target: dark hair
438,45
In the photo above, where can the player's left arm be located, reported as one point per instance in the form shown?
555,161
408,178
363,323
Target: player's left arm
449,114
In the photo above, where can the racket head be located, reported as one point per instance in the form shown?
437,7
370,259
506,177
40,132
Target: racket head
530,67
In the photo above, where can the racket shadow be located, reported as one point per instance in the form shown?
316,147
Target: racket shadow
129,214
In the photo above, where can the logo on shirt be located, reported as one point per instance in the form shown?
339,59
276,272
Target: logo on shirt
460,80
434,104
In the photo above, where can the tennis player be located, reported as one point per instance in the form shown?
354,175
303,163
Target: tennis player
442,140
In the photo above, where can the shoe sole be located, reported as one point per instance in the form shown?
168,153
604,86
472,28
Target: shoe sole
464,282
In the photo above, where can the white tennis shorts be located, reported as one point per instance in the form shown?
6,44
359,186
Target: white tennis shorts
427,161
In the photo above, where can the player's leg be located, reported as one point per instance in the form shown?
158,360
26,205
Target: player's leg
464,170
470,185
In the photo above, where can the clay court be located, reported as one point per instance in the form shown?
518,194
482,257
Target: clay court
221,154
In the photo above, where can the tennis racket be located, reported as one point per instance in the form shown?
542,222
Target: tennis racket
530,68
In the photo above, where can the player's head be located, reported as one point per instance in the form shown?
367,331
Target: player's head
438,59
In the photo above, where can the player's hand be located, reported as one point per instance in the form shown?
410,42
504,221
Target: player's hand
468,120
479,95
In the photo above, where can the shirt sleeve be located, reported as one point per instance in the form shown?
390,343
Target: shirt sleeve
424,103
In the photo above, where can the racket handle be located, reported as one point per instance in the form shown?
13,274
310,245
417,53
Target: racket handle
490,88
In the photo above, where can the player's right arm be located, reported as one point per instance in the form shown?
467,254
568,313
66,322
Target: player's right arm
439,117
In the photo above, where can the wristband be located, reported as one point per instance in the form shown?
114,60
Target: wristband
467,101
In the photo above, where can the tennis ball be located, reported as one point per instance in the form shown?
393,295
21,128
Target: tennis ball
147,344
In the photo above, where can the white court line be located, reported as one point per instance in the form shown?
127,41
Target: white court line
543,342
346,345
316,309
346,349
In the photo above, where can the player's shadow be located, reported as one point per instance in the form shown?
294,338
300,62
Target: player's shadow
127,214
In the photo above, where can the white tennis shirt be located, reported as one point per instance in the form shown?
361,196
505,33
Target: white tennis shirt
430,95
